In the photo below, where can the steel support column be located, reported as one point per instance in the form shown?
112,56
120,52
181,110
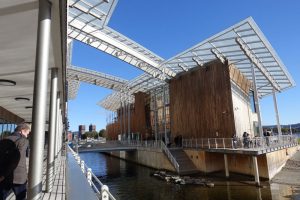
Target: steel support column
39,101
57,125
155,117
124,117
256,102
120,118
51,131
128,115
276,112
164,115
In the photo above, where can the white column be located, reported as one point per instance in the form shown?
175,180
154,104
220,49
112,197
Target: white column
256,102
255,170
276,112
39,101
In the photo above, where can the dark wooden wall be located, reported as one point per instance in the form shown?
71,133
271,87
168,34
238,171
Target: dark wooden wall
201,103
9,116
138,123
241,81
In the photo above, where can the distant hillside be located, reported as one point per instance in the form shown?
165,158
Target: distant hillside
285,128
293,126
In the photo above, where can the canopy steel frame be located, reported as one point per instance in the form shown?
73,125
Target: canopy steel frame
77,74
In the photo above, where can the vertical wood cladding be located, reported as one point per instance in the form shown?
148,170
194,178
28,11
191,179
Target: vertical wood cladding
138,122
241,81
138,119
9,116
201,103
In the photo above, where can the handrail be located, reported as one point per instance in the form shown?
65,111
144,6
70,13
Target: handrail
170,156
104,194
152,143
259,143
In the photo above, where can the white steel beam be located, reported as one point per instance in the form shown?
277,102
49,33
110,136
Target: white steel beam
95,78
256,62
117,45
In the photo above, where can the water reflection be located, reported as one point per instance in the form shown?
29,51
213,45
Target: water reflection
129,181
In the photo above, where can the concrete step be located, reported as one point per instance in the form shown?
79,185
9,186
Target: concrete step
186,166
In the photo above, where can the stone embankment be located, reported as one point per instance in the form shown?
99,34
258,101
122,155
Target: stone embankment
290,173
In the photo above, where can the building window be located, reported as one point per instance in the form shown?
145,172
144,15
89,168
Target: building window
252,101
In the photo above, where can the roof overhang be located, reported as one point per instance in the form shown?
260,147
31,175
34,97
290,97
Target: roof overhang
242,44
18,37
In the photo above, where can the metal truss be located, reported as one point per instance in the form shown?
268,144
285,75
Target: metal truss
142,83
77,74
110,41
73,86
88,20
227,45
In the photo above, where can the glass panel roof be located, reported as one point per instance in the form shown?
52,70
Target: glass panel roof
88,23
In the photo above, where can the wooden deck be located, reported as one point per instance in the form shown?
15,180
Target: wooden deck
58,191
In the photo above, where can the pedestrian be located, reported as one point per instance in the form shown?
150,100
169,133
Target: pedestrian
9,159
234,141
19,182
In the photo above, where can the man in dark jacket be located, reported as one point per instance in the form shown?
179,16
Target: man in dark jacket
19,137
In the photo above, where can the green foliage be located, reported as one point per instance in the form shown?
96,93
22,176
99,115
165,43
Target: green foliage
102,133
298,140
83,137
92,134
284,130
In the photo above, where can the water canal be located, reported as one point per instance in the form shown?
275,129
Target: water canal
129,181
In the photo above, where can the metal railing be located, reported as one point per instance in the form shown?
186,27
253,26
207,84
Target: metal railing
170,156
240,143
103,193
142,144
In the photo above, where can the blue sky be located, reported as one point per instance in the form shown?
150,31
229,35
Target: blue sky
168,27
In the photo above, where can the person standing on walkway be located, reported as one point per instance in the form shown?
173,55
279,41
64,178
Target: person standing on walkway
19,182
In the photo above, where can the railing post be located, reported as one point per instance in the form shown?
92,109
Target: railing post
223,144
82,166
104,192
78,160
89,176
208,143
216,143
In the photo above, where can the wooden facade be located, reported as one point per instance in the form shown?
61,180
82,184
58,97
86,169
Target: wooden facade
201,103
8,117
139,123
239,79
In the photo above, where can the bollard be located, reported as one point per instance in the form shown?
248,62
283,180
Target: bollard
104,192
82,166
89,176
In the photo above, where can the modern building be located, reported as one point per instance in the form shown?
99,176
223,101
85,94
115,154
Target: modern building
210,90
92,128
81,130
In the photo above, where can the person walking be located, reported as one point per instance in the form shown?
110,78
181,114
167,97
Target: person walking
19,182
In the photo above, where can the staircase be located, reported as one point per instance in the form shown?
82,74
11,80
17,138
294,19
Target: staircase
186,166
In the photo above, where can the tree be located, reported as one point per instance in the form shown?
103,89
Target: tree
83,136
102,133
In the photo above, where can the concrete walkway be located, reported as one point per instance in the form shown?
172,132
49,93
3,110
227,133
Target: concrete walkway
290,173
